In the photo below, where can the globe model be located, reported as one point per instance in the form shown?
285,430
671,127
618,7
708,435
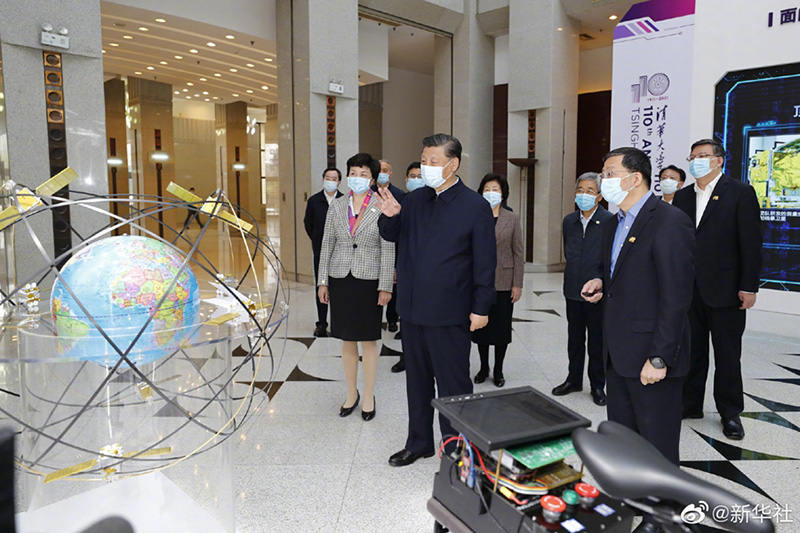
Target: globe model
116,285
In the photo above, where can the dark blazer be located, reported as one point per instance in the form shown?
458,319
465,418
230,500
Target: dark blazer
314,219
510,263
446,255
647,300
397,192
728,258
583,251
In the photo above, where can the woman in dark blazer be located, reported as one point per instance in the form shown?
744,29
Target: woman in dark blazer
356,272
508,279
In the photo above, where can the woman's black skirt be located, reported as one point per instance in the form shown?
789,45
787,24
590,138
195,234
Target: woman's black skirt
498,330
355,313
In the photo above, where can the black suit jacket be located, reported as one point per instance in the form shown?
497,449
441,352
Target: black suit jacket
583,251
647,299
314,219
728,258
446,255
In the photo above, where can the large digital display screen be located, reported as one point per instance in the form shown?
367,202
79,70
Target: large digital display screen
757,118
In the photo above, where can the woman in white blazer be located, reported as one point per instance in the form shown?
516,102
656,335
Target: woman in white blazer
356,272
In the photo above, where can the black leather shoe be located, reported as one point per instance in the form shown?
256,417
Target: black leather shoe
648,527
692,413
566,388
732,428
599,397
499,380
481,376
320,331
399,366
405,457
369,415
398,335
345,411
392,326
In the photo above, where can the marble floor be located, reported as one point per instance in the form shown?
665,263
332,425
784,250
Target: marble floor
299,467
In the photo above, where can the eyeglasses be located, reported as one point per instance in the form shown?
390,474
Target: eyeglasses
691,157
610,174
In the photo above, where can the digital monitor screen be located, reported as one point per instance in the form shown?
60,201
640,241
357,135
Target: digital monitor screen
500,419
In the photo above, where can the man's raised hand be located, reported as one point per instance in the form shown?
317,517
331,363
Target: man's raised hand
387,203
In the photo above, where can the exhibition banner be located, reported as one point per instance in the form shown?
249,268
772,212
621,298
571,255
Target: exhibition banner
652,79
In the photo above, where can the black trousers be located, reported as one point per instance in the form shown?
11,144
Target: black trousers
322,309
437,355
583,316
726,326
653,411
391,307
190,214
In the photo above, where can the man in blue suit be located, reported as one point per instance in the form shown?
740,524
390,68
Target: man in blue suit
445,275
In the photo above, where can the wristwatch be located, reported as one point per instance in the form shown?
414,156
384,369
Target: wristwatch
657,362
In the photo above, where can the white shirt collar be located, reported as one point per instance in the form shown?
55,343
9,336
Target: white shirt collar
329,197
450,186
709,187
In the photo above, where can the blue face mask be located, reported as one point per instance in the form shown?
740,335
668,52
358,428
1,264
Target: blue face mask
585,201
612,191
383,178
357,184
493,197
414,183
330,186
700,166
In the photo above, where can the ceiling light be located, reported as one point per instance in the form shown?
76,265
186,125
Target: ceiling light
560,28
138,72
217,75
197,94
113,44
250,65
229,36
193,50
190,84
207,99
211,44
177,92
188,97
205,92
127,36
178,57
249,91
163,62
149,67
143,28
203,79
234,70
185,90
215,97
104,50
235,94
613,17
160,20
114,161
266,88
268,59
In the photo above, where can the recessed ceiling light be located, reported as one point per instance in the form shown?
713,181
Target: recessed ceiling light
234,70
560,28
203,79
185,90
265,87
177,92
217,75
113,44
161,20
178,57
138,72
149,67
205,92
193,50
211,44
235,94
250,65
268,59
207,99
613,17
197,94
188,97
127,36
229,36
104,50
190,84
249,91
143,28
215,97
163,62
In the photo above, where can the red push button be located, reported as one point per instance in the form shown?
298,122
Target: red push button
586,490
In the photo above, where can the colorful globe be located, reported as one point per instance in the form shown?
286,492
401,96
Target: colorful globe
120,282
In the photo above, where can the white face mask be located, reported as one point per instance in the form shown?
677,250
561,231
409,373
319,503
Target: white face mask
669,186
432,176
